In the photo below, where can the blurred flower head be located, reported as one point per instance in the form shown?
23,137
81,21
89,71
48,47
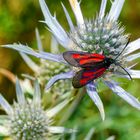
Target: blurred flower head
45,69
27,119
103,35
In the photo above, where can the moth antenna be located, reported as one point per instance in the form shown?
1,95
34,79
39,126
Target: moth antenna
123,49
125,71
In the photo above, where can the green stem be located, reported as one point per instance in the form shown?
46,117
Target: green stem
79,95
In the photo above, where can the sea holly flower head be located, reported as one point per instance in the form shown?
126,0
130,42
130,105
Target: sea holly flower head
45,69
102,35
27,120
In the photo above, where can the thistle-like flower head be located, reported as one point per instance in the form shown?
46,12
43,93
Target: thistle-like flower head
27,120
102,35
45,69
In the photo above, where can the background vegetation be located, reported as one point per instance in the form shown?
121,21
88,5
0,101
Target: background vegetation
18,20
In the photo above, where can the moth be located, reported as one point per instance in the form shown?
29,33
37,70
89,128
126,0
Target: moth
92,66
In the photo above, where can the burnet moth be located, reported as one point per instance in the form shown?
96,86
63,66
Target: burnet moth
92,65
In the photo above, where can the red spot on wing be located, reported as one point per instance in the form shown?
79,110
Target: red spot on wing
83,59
76,56
88,58
89,76
96,55
91,73
84,81
87,55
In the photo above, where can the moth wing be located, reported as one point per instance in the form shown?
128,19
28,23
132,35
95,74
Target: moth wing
87,75
82,59
69,56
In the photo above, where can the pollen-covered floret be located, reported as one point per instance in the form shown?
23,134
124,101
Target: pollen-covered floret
100,36
28,122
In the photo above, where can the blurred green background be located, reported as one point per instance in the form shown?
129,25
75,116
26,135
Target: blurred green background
18,20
